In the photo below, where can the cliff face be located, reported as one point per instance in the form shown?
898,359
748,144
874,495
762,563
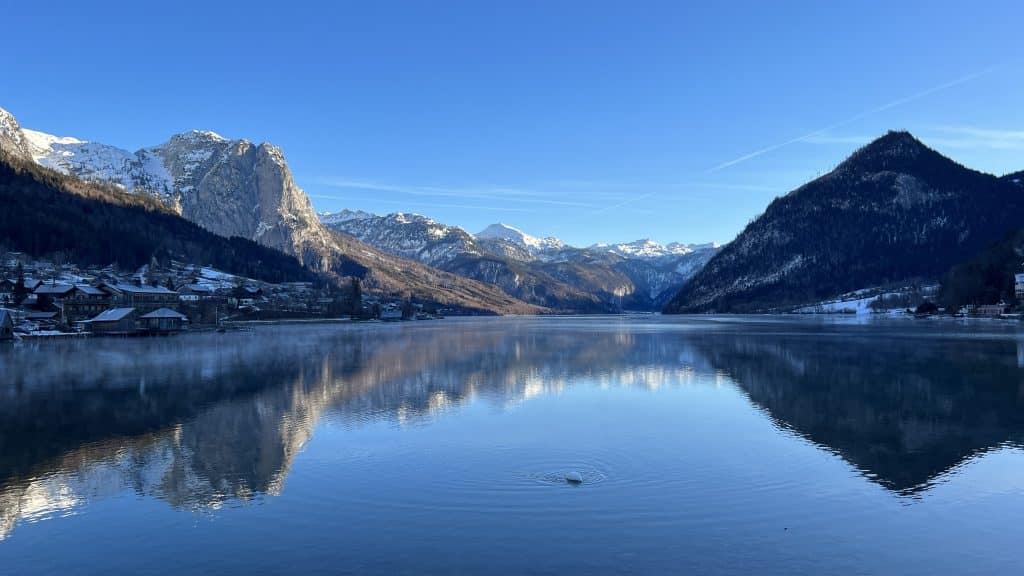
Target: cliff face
237,188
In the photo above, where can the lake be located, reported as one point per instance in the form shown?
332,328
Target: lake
744,445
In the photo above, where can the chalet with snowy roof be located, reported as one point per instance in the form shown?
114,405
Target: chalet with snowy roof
54,291
85,302
162,321
44,318
1018,286
113,321
141,297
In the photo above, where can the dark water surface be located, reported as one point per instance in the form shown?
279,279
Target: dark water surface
706,445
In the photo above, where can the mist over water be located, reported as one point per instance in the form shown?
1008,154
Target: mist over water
716,445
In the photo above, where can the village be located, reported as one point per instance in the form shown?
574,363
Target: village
52,299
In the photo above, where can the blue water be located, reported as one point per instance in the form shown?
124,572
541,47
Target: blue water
706,445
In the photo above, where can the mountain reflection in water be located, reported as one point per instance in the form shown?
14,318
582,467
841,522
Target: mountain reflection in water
208,420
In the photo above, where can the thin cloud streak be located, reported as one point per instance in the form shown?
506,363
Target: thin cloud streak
621,204
496,194
431,205
959,137
856,117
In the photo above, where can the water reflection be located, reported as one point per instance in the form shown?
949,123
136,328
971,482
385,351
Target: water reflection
903,408
211,420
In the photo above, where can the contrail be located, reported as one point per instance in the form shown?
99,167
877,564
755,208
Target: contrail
620,204
855,117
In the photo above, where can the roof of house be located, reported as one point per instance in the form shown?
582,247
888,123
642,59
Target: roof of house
90,290
134,289
112,315
164,313
57,289
197,288
41,315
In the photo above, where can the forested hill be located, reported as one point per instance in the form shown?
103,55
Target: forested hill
895,210
45,212
986,278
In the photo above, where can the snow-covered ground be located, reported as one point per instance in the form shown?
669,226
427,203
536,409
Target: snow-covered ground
860,301
855,306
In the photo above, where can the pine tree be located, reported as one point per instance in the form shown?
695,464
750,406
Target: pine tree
20,291
357,298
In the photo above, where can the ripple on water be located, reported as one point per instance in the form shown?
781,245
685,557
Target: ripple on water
590,476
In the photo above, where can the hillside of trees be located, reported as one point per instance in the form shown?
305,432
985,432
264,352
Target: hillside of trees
987,278
893,212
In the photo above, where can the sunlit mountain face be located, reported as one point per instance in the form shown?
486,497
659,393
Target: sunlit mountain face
217,420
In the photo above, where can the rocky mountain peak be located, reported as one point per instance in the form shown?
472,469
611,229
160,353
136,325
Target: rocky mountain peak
896,151
534,244
12,139
198,136
331,218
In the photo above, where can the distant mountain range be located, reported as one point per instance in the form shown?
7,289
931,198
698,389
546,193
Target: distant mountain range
235,188
548,272
894,210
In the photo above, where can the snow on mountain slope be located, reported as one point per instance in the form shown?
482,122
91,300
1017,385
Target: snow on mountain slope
408,235
536,246
640,275
230,187
647,248
335,218
100,162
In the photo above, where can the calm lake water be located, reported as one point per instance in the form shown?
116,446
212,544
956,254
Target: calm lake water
706,445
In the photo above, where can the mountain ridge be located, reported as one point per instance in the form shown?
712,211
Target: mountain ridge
552,274
894,210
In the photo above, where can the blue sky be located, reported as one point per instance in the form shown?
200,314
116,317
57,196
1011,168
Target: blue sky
591,121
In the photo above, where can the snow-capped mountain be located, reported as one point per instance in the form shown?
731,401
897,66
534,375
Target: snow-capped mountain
546,271
230,187
536,246
238,188
647,248
408,235
143,169
334,218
